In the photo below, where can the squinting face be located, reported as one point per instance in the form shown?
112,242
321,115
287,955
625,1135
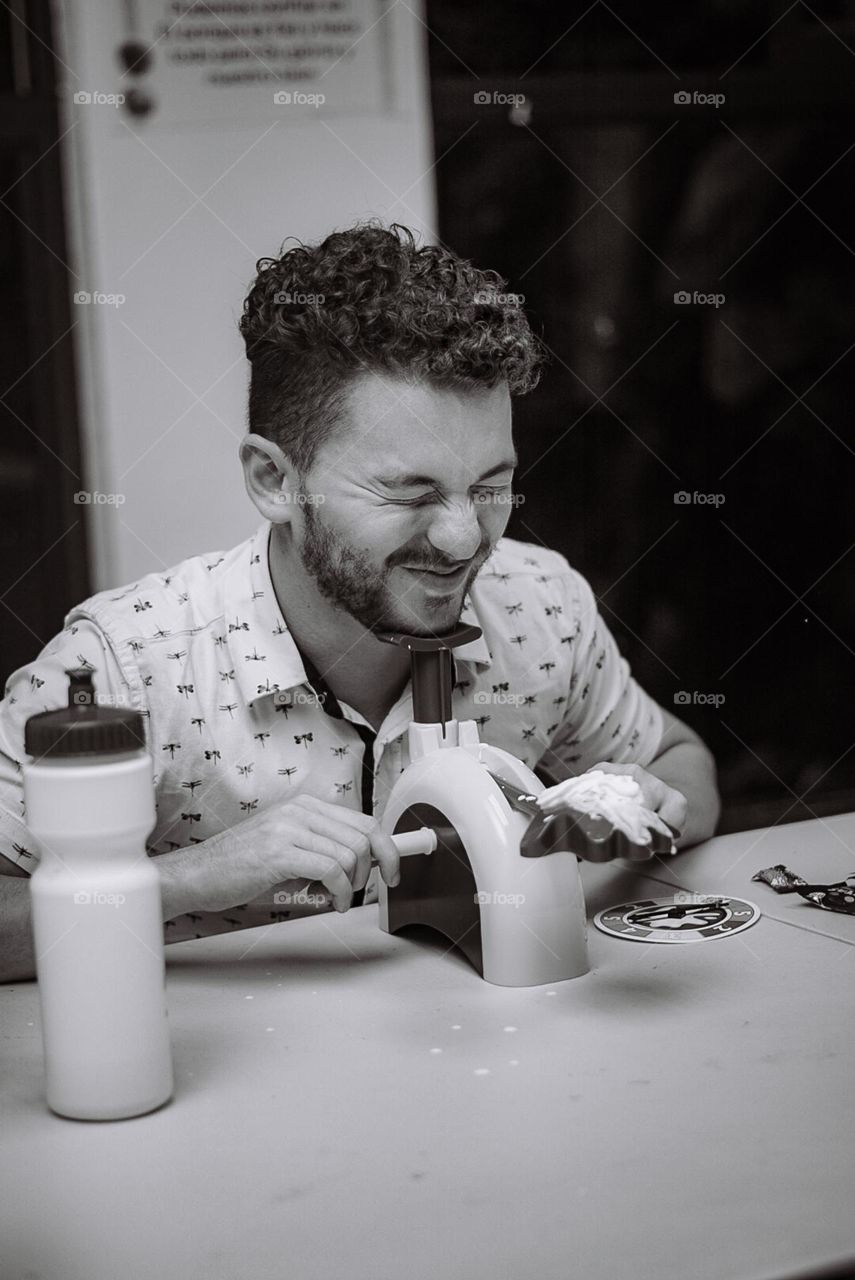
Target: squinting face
419,481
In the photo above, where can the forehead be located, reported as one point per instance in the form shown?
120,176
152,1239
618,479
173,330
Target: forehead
397,426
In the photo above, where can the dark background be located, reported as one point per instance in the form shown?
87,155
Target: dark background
44,559
751,599
598,200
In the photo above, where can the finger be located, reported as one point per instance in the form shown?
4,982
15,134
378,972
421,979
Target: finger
382,847
674,809
358,867
337,882
669,803
325,859
386,854
333,807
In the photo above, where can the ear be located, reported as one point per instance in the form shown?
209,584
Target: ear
271,480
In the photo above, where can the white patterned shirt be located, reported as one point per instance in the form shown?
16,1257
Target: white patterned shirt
204,653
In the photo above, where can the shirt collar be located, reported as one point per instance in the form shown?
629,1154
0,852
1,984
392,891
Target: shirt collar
262,651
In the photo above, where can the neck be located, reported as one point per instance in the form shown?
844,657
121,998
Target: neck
353,662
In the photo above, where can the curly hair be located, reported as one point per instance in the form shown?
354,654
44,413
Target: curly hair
367,300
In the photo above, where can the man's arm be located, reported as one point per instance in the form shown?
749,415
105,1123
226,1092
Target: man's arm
191,879
294,843
17,961
684,763
17,947
198,877
188,880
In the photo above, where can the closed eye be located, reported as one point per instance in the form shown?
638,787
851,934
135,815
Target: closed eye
428,497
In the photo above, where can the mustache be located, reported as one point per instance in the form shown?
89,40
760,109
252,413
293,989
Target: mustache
442,567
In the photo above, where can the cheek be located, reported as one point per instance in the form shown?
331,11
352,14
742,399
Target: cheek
391,528
381,532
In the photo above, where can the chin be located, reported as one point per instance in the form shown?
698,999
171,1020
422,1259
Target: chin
443,616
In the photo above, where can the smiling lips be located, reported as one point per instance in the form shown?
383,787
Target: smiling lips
440,573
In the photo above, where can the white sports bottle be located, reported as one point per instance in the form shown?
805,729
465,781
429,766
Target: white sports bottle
96,907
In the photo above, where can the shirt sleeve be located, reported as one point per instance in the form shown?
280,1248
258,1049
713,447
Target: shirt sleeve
42,685
608,716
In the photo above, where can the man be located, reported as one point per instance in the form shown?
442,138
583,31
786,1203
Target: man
380,456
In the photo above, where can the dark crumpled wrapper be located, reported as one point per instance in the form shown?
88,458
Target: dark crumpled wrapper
830,897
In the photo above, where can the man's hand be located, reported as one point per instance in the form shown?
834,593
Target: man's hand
671,805
305,838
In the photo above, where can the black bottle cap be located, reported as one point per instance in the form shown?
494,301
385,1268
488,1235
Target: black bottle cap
83,728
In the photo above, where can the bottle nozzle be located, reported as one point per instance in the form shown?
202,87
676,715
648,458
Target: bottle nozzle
81,691
82,726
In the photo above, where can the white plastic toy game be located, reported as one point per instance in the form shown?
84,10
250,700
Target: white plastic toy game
482,863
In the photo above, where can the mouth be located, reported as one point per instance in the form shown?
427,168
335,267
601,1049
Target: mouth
444,575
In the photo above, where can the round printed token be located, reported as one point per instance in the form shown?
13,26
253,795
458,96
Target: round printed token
685,917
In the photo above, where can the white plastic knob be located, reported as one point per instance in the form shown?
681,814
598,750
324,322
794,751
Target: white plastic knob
411,842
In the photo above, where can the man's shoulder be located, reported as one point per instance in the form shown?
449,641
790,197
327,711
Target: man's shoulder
535,574
514,559
193,588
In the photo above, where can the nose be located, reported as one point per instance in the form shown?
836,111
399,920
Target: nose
455,531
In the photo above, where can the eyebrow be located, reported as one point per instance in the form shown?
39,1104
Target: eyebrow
403,480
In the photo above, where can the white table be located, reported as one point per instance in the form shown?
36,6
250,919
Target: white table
821,851
354,1106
